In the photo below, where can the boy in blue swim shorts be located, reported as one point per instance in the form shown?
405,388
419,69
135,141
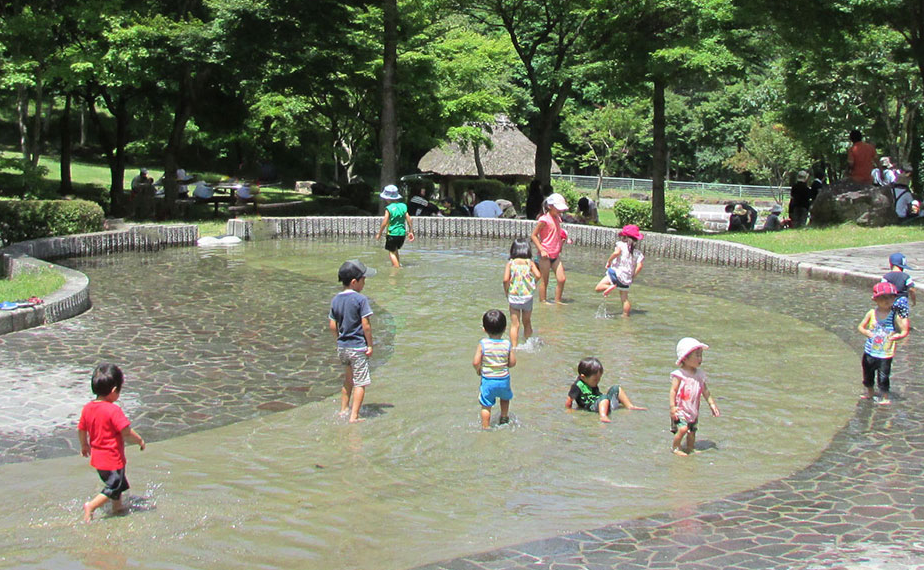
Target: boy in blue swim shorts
493,361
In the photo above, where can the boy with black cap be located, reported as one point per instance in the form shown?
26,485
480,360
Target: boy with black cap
350,325
903,283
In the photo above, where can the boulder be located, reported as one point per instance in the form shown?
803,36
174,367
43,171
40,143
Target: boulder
850,201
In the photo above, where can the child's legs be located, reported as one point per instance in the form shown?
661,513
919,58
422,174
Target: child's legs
626,305
527,318
603,285
885,372
545,265
505,409
395,258
623,399
559,268
359,367
485,417
347,389
359,392
869,366
678,437
514,325
691,441
603,407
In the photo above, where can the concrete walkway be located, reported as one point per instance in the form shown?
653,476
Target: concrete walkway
860,505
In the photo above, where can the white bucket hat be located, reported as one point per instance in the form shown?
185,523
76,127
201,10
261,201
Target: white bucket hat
557,201
687,345
390,193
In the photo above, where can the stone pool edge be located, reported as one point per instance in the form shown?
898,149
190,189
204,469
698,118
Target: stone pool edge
73,298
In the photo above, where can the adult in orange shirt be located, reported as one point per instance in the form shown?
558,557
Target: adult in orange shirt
861,159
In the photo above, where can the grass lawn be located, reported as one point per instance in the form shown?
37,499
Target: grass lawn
804,240
30,283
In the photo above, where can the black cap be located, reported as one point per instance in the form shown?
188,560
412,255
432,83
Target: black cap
354,269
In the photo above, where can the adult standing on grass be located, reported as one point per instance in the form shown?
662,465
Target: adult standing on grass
861,159
800,200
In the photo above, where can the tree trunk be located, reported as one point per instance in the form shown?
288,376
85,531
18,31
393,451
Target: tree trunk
389,173
659,158
112,148
66,187
35,136
22,116
181,114
543,141
479,166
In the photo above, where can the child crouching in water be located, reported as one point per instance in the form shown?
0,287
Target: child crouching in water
688,384
622,266
585,391
520,276
102,431
493,361
881,326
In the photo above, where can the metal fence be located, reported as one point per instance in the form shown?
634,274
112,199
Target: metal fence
644,185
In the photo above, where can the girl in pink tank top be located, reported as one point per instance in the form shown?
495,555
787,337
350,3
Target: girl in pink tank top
548,236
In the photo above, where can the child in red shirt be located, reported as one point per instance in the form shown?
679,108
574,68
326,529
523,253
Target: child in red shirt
102,431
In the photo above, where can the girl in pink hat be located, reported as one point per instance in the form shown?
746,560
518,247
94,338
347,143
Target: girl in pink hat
622,266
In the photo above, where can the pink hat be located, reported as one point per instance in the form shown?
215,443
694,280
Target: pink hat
632,231
884,288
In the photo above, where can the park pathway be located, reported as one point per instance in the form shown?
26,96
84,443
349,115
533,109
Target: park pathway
860,505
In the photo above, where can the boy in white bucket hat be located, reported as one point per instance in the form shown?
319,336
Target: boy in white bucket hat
688,385
398,222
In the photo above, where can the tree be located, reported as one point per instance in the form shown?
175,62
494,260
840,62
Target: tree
771,154
546,36
389,112
661,42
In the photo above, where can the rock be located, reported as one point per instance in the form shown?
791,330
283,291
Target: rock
849,201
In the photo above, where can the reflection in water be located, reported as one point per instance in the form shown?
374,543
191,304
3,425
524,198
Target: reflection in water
303,488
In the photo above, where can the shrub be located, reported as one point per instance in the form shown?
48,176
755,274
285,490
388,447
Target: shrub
676,211
569,192
29,219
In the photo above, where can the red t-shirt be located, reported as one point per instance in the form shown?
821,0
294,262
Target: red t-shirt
863,157
104,421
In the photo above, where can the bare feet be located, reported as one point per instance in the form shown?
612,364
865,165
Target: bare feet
678,451
87,513
635,408
605,419
357,420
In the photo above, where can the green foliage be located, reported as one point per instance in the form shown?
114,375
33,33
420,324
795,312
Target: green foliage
771,154
29,183
29,219
676,209
569,192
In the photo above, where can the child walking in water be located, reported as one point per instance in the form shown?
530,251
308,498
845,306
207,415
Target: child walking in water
585,391
881,326
622,266
688,384
398,222
349,322
548,237
102,431
493,361
520,276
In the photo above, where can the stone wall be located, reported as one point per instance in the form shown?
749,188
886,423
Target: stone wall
74,297
700,250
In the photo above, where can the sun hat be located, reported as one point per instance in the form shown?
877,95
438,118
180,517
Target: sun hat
740,211
687,345
354,269
144,171
803,176
884,288
885,161
390,193
776,209
557,201
899,260
631,231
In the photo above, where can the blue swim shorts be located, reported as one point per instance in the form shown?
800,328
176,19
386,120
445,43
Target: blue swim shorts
494,388
611,275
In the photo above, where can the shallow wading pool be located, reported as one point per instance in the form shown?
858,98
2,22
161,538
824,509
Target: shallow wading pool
231,376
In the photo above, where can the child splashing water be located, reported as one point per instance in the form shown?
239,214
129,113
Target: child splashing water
622,266
520,276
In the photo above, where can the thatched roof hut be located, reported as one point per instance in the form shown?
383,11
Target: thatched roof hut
511,158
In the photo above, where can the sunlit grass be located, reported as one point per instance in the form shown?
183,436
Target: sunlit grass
37,283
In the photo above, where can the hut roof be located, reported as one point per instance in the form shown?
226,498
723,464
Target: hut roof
512,154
